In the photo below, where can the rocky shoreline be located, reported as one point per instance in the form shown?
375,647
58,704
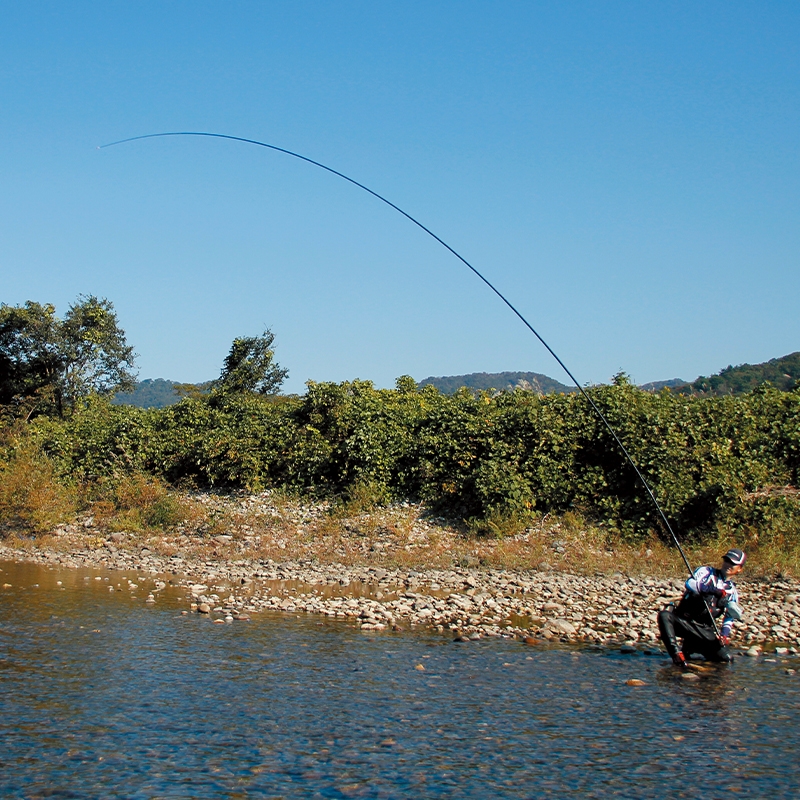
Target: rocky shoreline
536,605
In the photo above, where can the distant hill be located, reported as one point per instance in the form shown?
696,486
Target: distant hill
657,386
783,373
500,381
150,393
159,393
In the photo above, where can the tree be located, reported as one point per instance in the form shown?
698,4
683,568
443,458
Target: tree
60,361
250,366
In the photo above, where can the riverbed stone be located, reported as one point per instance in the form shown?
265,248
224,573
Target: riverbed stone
560,626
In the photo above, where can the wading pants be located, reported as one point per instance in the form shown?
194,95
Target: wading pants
697,638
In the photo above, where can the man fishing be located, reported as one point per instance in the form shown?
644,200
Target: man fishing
710,594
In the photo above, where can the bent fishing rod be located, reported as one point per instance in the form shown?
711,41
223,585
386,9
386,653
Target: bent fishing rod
661,515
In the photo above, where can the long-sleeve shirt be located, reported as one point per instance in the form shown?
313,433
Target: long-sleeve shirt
701,596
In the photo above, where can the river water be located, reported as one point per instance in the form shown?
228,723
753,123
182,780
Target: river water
104,696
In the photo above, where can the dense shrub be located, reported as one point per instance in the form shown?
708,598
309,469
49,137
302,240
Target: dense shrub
712,462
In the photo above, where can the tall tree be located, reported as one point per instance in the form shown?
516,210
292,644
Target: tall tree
250,366
60,361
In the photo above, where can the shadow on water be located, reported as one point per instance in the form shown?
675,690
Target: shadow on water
103,696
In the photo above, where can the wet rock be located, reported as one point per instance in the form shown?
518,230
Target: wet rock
628,649
204,608
690,676
753,652
635,682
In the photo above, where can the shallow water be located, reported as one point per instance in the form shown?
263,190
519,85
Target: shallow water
102,696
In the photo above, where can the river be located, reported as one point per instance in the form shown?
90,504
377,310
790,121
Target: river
103,695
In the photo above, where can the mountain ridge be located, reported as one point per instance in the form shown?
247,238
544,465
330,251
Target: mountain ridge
783,373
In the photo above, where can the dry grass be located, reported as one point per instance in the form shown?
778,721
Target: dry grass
351,532
30,496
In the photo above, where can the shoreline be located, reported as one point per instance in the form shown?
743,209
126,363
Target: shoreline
537,605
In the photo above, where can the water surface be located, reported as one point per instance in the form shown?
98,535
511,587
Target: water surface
103,696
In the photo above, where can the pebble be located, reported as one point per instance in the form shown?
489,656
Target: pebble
635,682
753,652
204,608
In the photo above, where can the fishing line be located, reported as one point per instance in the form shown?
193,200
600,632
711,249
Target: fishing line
661,515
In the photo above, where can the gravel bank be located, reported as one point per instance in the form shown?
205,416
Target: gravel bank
468,602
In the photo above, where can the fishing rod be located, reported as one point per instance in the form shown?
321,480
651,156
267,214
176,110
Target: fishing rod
661,515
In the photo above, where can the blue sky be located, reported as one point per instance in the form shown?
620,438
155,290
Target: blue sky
627,173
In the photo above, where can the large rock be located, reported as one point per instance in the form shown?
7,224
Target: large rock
562,626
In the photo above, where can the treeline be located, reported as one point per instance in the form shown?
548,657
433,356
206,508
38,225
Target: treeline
715,464
782,373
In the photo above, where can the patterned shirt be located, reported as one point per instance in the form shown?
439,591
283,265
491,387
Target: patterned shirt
701,597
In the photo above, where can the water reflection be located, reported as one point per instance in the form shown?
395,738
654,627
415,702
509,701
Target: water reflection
103,696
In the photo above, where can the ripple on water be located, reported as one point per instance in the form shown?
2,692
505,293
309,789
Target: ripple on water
105,696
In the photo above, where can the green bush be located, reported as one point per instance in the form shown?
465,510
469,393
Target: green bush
714,463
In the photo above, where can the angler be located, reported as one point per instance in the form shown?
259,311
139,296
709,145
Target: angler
710,594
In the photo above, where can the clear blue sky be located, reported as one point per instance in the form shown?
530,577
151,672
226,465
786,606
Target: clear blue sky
626,172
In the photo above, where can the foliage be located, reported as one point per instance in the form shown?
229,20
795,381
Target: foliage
714,463
782,373
58,362
31,497
250,366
